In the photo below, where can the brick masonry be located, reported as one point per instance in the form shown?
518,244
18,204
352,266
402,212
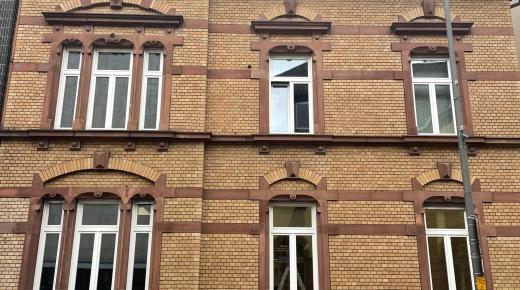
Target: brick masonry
11,247
371,212
503,252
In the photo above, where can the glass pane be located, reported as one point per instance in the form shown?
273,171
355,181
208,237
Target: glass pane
290,68
100,102
431,69
301,108
279,115
459,248
438,272
73,60
282,273
284,216
100,214
114,61
140,260
423,109
50,253
304,262
143,214
106,262
152,98
154,62
120,103
445,219
86,247
69,101
444,109
55,212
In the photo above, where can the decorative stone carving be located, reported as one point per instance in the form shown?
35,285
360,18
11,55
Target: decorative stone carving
429,7
291,6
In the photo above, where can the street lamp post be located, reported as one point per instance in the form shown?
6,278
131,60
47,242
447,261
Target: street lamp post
476,259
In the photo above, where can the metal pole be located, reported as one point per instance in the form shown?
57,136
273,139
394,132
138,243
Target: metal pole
476,259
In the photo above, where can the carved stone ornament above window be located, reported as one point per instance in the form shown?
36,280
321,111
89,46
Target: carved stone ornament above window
151,16
290,17
429,19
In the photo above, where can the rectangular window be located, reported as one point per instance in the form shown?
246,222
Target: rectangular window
140,246
152,90
293,250
290,102
68,89
110,90
448,249
432,91
95,241
49,246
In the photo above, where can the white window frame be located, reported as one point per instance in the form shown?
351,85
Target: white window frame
146,75
431,82
66,72
97,230
447,234
47,229
112,75
292,81
136,229
293,232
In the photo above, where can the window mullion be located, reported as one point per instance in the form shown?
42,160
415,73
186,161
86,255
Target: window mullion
433,104
449,263
291,107
293,262
95,260
110,101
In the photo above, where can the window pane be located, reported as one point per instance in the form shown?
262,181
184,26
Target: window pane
281,276
143,214
301,108
279,115
73,60
86,247
438,272
106,262
431,69
423,109
304,262
69,101
444,109
100,102
120,103
290,68
154,62
459,248
152,98
114,61
445,219
292,216
55,212
100,214
50,253
140,261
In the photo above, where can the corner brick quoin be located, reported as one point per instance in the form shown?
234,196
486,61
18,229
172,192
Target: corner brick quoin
443,172
99,161
153,5
292,170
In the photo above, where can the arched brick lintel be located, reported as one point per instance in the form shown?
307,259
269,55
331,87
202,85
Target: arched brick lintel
292,170
443,172
280,11
418,13
153,5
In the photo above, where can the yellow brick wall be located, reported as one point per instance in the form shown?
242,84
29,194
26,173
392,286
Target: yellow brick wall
493,106
188,108
180,257
371,212
24,101
374,262
11,249
492,53
502,214
443,186
505,265
14,210
362,52
183,209
230,211
229,262
292,185
194,51
233,107
364,108
232,51
190,9
29,46
182,163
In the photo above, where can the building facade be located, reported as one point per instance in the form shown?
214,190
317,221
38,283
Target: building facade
259,144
